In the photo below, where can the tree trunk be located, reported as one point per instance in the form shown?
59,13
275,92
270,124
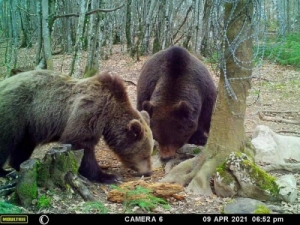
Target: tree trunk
94,43
15,31
75,70
46,35
39,33
204,45
167,36
128,26
146,42
68,25
227,132
9,35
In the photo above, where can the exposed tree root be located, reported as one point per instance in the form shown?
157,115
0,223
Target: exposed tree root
79,187
193,173
200,184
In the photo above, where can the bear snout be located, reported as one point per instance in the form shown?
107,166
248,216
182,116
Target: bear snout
167,152
142,168
147,174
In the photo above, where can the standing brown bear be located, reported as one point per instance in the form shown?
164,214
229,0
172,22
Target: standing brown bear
39,107
178,92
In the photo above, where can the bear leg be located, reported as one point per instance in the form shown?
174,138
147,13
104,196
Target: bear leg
21,152
3,159
198,138
90,169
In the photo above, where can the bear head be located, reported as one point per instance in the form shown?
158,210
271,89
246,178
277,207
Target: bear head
138,145
172,126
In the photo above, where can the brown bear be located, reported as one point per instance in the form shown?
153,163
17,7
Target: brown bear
41,106
179,94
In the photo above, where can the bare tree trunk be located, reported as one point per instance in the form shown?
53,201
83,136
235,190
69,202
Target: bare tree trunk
76,66
204,45
24,20
9,36
39,35
167,36
69,32
14,28
94,43
46,35
128,26
227,132
145,47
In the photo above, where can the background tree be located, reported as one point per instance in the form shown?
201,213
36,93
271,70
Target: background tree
46,35
138,27
227,132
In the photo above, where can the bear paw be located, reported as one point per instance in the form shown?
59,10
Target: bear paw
198,140
104,178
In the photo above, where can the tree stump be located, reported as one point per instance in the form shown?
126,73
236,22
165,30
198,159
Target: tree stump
57,162
26,188
58,168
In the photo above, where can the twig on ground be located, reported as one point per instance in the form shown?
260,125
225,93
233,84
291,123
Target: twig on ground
276,119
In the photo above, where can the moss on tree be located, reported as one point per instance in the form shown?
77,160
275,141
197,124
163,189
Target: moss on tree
264,180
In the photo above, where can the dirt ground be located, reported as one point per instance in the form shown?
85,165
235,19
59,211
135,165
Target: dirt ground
275,95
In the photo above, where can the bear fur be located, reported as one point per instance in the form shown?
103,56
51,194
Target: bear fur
178,92
42,106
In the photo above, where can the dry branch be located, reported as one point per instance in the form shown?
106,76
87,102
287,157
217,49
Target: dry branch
276,111
276,119
288,132
89,12
79,187
161,190
183,22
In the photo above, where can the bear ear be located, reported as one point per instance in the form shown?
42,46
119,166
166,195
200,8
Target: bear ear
148,107
146,116
135,129
182,109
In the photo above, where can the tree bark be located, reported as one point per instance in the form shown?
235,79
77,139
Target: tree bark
94,43
75,70
46,35
128,26
146,42
39,33
227,132
204,42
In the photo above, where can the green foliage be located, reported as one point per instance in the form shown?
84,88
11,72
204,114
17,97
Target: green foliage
285,52
94,207
7,208
146,200
213,58
262,210
143,198
43,202
196,151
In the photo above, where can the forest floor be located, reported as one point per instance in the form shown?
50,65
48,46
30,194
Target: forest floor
275,94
